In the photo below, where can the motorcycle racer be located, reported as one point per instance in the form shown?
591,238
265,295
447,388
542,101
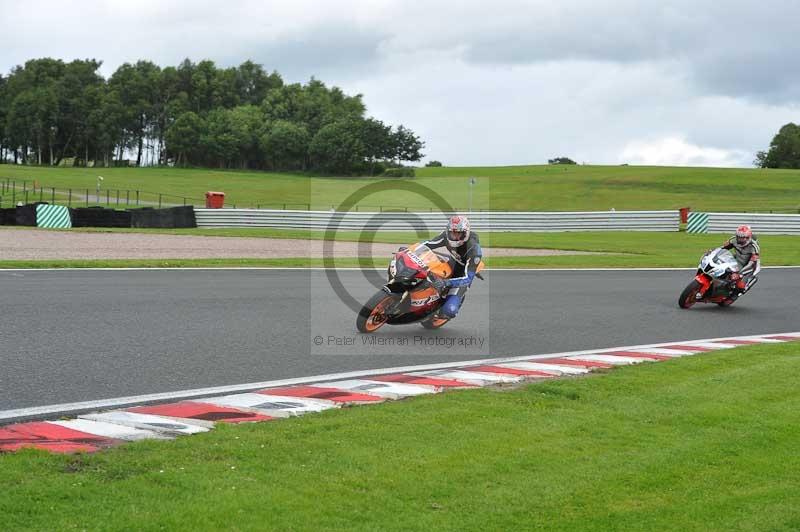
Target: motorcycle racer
465,253
748,254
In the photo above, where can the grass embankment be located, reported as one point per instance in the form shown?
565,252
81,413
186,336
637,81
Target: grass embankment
524,188
615,250
699,443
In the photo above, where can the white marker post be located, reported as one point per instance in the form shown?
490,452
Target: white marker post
472,182
97,190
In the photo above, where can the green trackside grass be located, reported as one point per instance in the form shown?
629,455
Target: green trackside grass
705,443
615,249
536,188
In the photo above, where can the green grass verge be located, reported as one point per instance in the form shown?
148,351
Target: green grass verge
537,188
694,444
615,250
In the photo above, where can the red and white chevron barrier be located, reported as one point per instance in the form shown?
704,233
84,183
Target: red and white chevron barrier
95,431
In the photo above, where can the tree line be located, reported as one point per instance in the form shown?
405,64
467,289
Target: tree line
195,114
784,150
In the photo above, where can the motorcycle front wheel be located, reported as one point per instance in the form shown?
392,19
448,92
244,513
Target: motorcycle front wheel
372,315
689,294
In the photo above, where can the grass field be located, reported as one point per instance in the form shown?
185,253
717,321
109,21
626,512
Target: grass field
537,188
618,249
705,443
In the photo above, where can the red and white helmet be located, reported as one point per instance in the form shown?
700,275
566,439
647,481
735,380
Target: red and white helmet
744,235
457,230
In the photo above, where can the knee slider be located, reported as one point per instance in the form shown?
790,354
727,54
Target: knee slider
451,306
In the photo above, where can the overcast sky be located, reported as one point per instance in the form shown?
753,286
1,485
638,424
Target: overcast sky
506,82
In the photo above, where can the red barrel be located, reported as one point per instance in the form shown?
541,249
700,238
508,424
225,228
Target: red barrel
215,200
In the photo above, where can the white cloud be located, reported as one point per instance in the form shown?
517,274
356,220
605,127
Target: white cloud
514,82
676,151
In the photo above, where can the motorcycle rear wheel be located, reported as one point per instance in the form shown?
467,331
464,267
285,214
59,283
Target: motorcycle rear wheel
689,294
372,315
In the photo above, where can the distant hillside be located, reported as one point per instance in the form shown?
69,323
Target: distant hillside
538,188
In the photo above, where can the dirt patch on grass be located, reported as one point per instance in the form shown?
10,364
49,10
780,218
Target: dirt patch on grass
38,244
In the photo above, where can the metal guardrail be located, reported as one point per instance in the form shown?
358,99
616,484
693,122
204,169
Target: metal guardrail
762,224
403,221
14,192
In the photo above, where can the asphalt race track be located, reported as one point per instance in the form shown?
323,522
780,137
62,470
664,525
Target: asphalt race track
79,335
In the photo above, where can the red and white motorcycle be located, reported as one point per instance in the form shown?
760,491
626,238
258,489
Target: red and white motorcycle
715,281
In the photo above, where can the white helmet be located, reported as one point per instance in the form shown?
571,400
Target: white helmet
744,235
457,230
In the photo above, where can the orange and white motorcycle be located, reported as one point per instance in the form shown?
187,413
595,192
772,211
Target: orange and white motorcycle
410,295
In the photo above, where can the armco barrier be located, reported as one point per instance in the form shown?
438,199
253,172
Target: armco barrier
762,224
404,221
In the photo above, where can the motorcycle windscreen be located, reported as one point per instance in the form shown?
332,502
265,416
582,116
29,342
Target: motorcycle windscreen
723,262
435,263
